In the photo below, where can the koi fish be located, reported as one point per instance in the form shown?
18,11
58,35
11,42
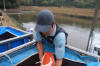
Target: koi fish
48,59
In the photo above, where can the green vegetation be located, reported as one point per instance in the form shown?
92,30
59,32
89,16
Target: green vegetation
10,3
57,3
16,23
60,3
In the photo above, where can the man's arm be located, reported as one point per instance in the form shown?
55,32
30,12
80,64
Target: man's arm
39,44
59,42
40,49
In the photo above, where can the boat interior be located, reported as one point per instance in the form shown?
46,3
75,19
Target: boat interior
6,35
34,61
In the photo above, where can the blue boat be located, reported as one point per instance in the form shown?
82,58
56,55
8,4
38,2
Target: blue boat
25,53
11,37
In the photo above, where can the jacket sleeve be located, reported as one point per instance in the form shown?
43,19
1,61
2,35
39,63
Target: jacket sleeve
37,36
59,42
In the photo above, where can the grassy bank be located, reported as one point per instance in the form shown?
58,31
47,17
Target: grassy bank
16,23
59,10
61,15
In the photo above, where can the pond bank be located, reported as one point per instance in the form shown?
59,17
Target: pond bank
78,12
10,21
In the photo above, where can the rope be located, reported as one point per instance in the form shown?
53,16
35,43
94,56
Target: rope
8,58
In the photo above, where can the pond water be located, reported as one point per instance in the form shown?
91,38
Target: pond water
78,29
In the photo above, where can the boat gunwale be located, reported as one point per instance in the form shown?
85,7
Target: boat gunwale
84,52
12,34
16,48
18,29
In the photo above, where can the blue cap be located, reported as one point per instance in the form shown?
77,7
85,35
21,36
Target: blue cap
45,19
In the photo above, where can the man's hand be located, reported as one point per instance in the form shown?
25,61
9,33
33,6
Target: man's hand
58,62
40,49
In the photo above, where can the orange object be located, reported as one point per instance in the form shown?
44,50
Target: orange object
48,59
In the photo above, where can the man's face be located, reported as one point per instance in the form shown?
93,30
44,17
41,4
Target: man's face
48,33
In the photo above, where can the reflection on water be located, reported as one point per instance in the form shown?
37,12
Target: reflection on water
28,25
78,36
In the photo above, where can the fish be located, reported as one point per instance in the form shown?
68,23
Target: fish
48,59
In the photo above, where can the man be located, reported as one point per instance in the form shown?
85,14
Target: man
47,29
